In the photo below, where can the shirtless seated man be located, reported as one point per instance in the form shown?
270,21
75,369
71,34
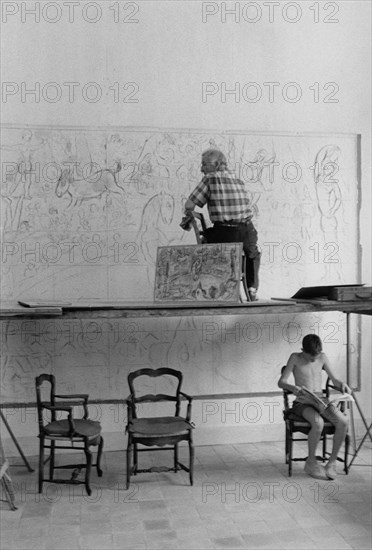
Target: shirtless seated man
306,368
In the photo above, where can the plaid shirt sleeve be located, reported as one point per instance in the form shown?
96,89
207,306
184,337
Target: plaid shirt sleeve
201,193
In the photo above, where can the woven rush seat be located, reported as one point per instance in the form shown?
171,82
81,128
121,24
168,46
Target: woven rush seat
166,425
83,428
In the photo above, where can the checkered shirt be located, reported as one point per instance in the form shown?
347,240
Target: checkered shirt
225,196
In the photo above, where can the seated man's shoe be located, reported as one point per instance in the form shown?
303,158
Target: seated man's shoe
330,470
252,294
313,469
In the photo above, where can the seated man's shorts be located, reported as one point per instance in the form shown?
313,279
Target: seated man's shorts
298,407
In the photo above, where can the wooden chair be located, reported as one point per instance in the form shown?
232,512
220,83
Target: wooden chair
298,425
68,433
159,433
199,226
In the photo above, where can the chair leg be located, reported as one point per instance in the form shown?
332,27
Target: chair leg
52,460
288,449
324,453
129,452
175,457
41,464
88,456
99,455
287,436
191,464
135,458
347,444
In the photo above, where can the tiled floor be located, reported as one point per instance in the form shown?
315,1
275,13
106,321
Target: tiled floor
241,498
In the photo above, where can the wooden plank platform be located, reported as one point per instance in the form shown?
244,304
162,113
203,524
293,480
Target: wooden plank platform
115,309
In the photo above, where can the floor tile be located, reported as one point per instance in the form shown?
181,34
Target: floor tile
242,497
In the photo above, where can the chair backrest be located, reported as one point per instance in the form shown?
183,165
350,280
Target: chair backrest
39,381
173,384
286,394
199,225
330,386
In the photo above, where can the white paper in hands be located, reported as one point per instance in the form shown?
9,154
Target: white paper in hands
320,404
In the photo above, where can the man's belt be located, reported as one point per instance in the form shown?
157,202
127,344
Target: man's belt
232,223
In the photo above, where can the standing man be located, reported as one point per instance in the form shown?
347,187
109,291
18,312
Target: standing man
229,210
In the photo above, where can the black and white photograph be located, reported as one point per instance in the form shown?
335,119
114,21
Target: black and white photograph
185,267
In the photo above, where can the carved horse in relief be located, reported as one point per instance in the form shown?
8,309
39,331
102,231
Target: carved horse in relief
93,186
